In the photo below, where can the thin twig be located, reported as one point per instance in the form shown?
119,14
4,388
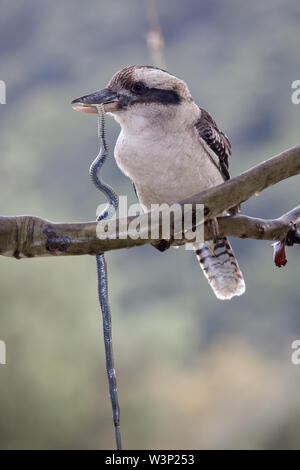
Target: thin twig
155,38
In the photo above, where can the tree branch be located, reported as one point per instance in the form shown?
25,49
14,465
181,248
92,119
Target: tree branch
29,236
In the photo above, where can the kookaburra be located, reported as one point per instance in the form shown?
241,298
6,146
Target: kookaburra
171,149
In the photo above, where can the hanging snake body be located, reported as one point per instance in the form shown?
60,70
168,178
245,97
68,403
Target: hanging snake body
108,212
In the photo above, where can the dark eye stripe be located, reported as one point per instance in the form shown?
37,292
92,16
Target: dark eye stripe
156,95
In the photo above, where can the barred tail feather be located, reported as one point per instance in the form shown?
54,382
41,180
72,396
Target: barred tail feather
221,268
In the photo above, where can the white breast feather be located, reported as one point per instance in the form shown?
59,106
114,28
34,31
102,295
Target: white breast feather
167,162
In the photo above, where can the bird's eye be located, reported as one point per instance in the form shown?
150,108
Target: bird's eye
138,87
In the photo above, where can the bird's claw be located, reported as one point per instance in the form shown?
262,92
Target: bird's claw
214,227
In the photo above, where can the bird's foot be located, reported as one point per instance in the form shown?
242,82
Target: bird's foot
214,226
234,210
162,245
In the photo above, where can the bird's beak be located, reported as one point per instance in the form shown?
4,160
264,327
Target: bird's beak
86,104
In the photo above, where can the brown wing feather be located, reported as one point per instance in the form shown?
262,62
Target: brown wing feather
216,140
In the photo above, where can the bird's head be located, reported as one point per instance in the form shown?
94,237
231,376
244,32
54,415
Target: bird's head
137,90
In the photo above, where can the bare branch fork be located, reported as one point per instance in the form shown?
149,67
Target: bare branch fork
29,236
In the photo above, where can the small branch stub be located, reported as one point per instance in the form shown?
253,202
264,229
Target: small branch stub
292,238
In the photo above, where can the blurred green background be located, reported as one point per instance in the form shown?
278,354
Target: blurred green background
193,372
